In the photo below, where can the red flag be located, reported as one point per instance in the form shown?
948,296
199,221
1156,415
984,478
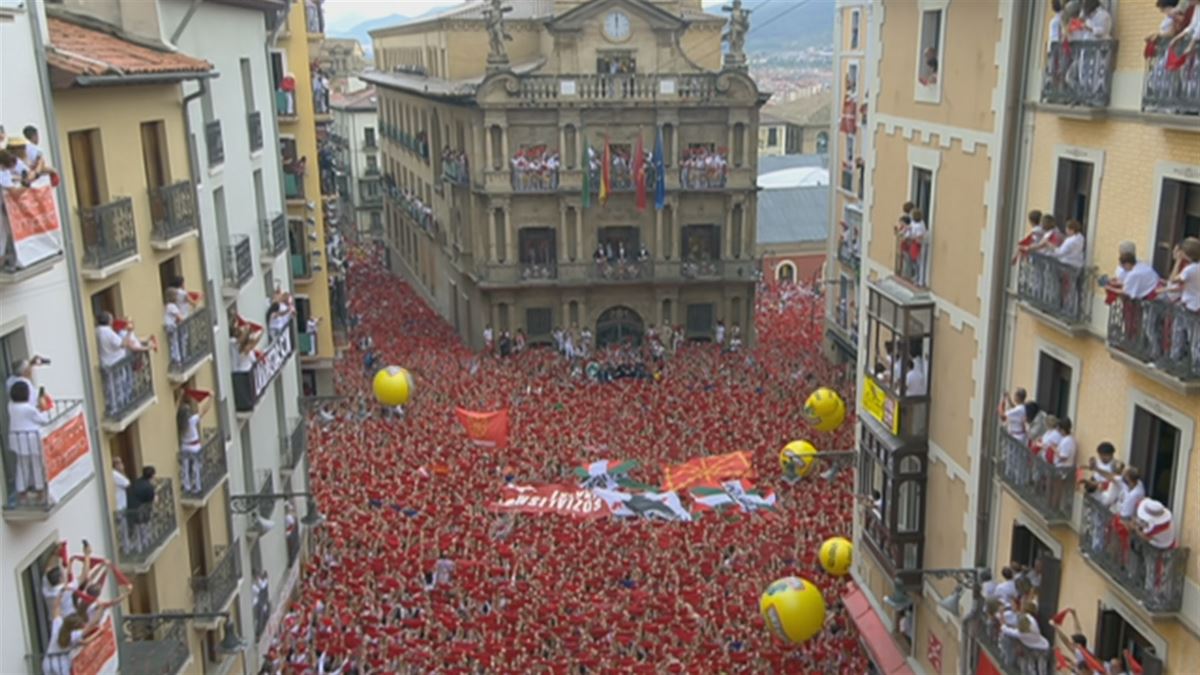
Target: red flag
605,172
639,174
485,429
1132,663
708,471
197,395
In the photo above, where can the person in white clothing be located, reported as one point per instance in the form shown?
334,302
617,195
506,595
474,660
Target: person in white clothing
187,421
914,380
25,422
1133,491
1155,524
67,635
720,333
1185,284
114,347
121,483
1012,412
1066,448
1071,251
1097,19
1026,629
1057,28
1133,278
488,338
177,308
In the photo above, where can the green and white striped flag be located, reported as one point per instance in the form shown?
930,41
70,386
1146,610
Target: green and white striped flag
605,473
739,494
649,505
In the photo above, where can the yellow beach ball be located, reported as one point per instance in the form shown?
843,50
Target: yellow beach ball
793,609
393,386
825,409
797,459
836,555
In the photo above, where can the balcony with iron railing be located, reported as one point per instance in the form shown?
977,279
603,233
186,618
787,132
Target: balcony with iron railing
128,389
215,591
189,344
109,237
535,180
1159,337
912,261
30,212
173,214
214,140
273,237
203,471
153,645
1057,292
142,532
497,275
454,171
1048,489
314,19
293,182
249,386
1008,653
1172,84
285,105
293,446
1078,74
237,263
849,251
61,454
255,129
1152,577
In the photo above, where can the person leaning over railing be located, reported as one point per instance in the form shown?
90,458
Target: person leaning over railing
116,342
1183,286
26,418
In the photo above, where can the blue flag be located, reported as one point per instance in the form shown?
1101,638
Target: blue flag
660,173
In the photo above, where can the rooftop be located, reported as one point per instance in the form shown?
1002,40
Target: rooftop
815,110
80,49
793,215
363,99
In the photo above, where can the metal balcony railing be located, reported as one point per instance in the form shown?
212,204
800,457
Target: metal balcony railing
293,185
273,235
293,446
314,19
109,233
1010,653
153,645
698,177
912,261
1049,489
1171,91
848,252
698,269
455,171
215,142
255,129
1055,288
128,383
213,591
173,210
237,262
201,471
1159,333
623,270
190,341
249,386
21,495
527,180
1079,73
142,530
1154,576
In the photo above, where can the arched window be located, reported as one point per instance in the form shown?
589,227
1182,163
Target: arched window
785,272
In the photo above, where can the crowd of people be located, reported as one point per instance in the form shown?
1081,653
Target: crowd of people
23,164
703,168
411,572
454,166
535,168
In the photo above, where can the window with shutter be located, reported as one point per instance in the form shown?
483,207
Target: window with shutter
1053,386
1178,218
1154,450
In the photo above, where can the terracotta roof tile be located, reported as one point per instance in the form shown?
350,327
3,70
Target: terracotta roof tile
81,50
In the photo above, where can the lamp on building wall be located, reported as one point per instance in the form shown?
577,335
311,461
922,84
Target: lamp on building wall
966,578
255,503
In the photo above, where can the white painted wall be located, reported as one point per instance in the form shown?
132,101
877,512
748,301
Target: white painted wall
350,124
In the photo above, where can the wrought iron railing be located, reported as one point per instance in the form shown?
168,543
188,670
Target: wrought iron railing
173,210
912,261
143,529
153,645
190,341
455,171
272,234
201,471
293,185
697,269
1049,489
249,386
109,233
700,177
1010,654
1155,576
254,127
1079,73
238,261
215,141
1169,87
128,383
623,270
528,180
213,591
1055,288
20,493
1159,333
848,252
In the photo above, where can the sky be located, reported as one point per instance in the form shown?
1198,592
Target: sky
349,12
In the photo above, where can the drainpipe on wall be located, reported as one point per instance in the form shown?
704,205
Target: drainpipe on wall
77,300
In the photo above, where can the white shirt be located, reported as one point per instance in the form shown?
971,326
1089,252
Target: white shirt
914,382
916,230
1056,29
244,362
112,346
191,437
1130,498
1165,538
1099,24
25,420
1064,454
173,316
1101,465
122,484
1031,639
1014,418
1190,294
1070,252
1006,592
1051,438
1138,282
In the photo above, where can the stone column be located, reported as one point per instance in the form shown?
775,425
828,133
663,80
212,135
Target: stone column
487,147
491,236
727,234
511,231
658,234
579,234
561,235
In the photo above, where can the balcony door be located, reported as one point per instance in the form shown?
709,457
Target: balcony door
197,544
1029,550
1073,192
701,242
154,154
618,326
1155,452
1178,218
612,239
537,245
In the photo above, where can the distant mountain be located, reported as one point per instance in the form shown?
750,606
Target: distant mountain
792,24
361,31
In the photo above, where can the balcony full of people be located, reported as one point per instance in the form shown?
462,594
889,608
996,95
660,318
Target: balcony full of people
535,169
703,168
454,166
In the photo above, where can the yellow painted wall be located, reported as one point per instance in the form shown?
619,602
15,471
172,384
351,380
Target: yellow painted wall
118,113
967,66
304,130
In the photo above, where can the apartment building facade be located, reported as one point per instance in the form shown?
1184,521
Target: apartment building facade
64,502
356,142
977,118
492,161
847,153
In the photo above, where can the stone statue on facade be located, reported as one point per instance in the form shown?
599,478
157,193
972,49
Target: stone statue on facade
493,17
735,35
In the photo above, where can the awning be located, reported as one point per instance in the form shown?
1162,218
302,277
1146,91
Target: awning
874,635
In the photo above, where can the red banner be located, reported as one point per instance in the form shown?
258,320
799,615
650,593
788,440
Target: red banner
707,471
65,449
565,500
33,218
487,430
98,657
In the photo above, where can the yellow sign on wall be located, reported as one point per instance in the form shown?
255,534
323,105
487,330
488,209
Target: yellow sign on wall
878,404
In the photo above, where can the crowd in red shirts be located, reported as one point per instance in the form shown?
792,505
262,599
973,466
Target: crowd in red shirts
411,573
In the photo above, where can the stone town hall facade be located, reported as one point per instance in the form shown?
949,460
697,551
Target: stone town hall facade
493,209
